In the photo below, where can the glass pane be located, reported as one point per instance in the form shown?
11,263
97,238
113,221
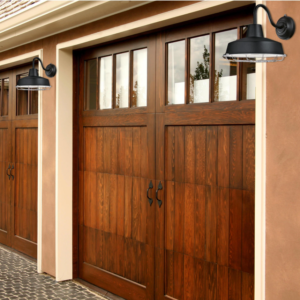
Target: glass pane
90,84
248,84
122,80
225,77
199,69
105,91
139,90
5,97
22,99
176,69
34,102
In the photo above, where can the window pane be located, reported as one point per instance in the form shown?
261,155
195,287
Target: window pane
248,77
225,79
22,99
176,70
139,90
105,91
34,102
90,84
5,97
199,69
122,80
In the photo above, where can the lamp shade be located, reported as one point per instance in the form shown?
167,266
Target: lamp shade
254,47
33,82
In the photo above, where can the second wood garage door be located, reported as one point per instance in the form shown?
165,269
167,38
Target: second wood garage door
154,118
18,163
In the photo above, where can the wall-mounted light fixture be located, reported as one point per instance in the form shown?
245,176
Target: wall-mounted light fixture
254,47
34,82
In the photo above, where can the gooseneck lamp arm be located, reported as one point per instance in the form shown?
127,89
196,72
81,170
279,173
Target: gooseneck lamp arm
50,70
279,26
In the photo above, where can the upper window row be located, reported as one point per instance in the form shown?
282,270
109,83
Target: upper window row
202,85
195,73
108,83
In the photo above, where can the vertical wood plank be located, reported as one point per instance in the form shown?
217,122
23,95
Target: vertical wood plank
136,152
211,281
107,159
179,154
170,215
222,293
235,284
128,152
144,152
235,233
178,275
142,232
200,144
121,205
236,157
169,273
121,151
99,148
106,202
100,201
248,157
93,200
170,154
114,150
200,279
128,206
189,219
113,203
211,197
248,232
223,226
212,155
189,278
223,156
99,248
200,221
136,193
179,217
189,154
247,286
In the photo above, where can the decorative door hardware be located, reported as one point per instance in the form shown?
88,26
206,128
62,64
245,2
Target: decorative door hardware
160,187
150,187
12,176
7,172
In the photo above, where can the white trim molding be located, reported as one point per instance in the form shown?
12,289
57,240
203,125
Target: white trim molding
8,63
260,173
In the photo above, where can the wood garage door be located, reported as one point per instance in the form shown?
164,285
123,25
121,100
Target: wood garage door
18,164
116,166
193,139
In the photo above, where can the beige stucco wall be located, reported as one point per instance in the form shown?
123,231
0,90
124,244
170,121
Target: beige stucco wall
283,164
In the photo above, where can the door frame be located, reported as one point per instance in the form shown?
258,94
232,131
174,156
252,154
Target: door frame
13,62
64,133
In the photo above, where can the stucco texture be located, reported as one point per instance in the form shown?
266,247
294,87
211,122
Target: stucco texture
283,163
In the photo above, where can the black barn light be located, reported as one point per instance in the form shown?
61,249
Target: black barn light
34,82
254,47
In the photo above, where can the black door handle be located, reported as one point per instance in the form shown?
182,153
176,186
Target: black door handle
149,188
160,187
7,172
12,167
